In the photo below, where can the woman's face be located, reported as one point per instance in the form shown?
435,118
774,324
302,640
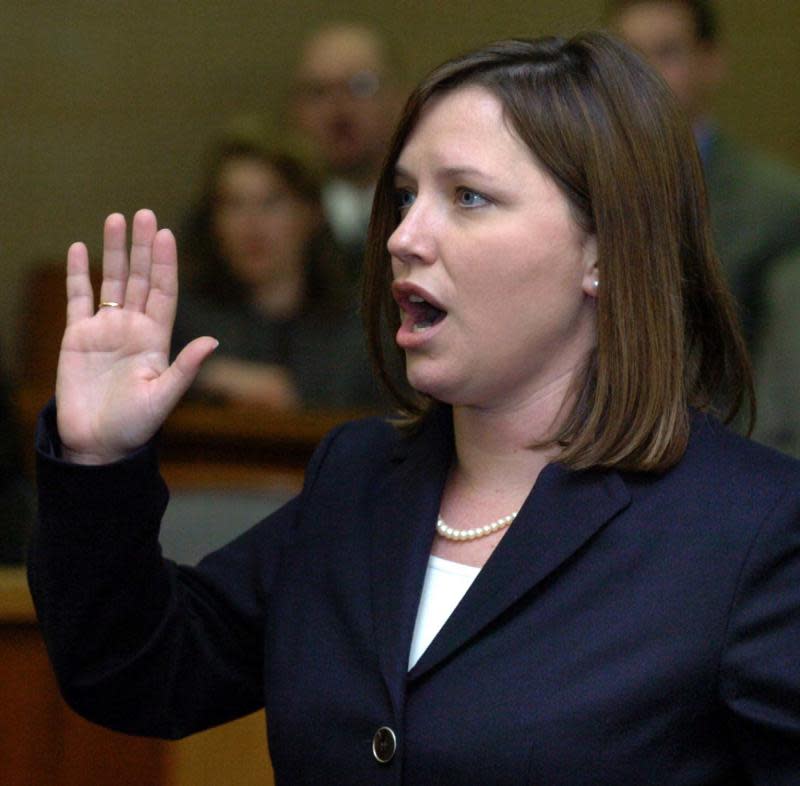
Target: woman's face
261,226
494,278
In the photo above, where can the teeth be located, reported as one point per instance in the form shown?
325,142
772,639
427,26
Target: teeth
416,299
420,326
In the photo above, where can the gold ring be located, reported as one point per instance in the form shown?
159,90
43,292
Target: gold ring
109,304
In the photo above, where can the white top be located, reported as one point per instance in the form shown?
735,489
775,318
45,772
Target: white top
445,584
347,208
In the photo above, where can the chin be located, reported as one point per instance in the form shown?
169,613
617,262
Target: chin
455,391
436,386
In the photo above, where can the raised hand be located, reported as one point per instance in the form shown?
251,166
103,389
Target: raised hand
115,385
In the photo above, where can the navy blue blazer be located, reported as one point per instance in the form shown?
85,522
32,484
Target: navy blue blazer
628,629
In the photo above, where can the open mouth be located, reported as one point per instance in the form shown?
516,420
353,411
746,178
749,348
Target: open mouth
423,313
420,313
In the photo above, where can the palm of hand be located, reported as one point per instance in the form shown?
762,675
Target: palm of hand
115,386
107,386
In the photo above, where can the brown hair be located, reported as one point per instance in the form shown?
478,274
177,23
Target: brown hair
209,275
608,131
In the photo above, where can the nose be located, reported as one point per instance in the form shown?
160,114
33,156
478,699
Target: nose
413,240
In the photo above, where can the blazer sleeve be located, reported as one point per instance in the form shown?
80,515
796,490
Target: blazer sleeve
138,643
760,665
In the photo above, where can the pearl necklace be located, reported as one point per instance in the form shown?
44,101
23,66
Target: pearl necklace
473,534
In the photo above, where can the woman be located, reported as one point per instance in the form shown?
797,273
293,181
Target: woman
264,279
559,569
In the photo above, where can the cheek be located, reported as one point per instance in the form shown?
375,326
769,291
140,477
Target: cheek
678,77
311,116
228,232
297,228
498,269
275,228
534,276
374,121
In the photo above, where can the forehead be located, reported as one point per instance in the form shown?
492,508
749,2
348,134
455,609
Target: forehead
465,126
339,53
246,170
649,22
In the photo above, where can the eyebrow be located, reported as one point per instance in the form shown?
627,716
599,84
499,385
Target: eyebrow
449,172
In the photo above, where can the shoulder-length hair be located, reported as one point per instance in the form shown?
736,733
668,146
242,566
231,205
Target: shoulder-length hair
208,273
607,130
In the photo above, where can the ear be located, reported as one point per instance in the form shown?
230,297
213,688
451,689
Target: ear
591,274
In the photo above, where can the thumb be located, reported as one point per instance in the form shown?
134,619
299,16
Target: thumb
177,379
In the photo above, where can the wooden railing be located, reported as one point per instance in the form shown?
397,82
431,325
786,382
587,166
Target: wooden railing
223,446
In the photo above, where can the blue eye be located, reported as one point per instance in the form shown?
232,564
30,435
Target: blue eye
403,199
469,198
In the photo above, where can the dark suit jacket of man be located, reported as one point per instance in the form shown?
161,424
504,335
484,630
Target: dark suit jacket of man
629,629
778,362
755,214
755,211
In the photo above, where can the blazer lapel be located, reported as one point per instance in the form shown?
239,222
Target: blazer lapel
403,526
562,513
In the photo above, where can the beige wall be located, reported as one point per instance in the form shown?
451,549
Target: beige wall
109,105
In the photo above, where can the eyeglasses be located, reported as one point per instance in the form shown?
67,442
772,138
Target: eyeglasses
361,85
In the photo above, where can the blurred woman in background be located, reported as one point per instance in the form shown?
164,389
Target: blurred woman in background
264,279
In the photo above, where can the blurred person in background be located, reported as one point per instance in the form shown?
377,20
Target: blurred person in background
344,101
754,202
265,279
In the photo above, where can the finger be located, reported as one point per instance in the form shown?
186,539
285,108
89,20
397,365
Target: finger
80,298
162,299
115,260
176,380
142,235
